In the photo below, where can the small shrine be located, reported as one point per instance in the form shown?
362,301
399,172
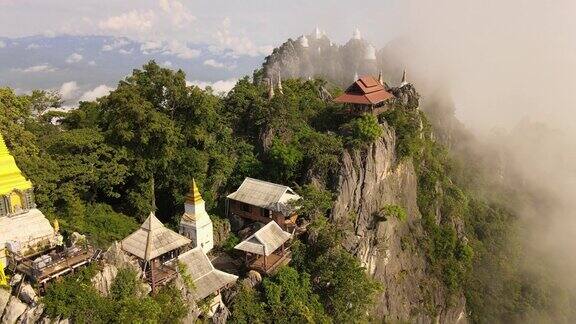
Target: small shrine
195,223
366,94
267,249
155,246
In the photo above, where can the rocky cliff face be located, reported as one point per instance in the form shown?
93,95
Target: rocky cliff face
315,55
389,248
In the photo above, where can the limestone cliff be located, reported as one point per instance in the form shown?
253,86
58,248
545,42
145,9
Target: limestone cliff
369,180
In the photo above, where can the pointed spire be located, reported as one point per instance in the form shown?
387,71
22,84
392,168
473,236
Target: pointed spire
194,196
153,195
403,82
318,33
380,79
280,84
356,76
151,223
271,89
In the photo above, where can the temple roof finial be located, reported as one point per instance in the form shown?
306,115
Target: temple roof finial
355,76
403,82
380,78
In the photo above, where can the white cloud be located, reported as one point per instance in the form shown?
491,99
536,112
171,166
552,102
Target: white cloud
96,93
33,46
68,90
181,50
218,86
149,46
214,63
37,68
2,44
92,63
74,58
124,52
178,14
117,43
240,45
167,64
133,21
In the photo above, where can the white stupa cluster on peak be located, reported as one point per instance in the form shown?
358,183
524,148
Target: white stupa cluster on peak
303,41
357,34
370,53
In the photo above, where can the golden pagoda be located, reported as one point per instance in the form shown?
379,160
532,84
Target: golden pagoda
15,190
23,228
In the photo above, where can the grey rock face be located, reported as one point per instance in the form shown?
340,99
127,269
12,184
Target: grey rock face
118,258
32,315
221,315
390,249
4,297
103,280
28,295
13,311
321,58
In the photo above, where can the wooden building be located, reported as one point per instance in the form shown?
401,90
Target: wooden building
208,281
267,249
155,246
263,202
365,95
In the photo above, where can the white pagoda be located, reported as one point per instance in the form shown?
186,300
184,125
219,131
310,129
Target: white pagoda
195,223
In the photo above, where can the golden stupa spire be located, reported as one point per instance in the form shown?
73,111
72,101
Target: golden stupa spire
194,196
11,177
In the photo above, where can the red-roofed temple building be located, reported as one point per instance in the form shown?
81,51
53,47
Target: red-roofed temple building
366,95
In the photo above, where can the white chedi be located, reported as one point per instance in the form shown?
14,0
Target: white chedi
195,223
357,34
370,53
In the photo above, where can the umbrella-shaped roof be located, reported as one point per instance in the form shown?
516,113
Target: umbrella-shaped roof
152,240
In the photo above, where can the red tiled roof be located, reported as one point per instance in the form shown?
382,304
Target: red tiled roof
365,91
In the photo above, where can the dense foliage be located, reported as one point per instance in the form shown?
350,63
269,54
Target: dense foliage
75,298
100,169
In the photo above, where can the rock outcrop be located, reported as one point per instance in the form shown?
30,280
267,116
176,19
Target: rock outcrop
319,57
103,280
390,248
13,311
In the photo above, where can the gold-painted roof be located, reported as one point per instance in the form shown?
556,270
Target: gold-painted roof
194,196
11,177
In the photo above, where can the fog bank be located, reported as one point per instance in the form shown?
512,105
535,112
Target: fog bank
509,68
